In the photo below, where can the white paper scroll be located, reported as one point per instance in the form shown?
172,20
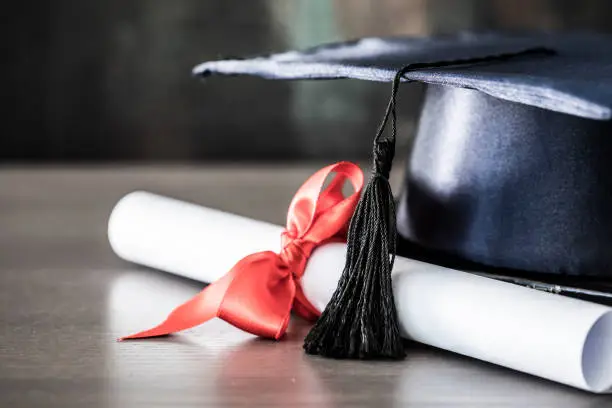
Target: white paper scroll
554,337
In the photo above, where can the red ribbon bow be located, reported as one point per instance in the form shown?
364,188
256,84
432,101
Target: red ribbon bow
259,292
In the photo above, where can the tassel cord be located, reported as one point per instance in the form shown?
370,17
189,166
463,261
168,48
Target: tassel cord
360,321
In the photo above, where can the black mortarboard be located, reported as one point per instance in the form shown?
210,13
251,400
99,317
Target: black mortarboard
511,167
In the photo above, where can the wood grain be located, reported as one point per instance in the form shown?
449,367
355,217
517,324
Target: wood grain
65,298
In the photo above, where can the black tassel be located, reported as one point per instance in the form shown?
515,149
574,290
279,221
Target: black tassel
360,321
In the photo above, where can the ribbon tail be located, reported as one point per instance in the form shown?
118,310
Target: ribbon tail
196,311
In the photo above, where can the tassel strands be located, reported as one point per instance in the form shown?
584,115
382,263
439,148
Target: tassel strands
360,321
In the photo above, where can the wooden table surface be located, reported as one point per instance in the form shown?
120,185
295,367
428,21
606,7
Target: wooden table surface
65,298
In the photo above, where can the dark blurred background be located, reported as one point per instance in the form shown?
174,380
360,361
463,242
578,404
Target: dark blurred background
93,80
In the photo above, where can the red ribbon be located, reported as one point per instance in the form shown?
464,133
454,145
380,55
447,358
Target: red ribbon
259,292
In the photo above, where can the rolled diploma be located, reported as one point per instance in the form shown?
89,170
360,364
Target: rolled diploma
554,337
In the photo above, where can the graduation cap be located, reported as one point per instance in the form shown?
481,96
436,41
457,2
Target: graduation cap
511,167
